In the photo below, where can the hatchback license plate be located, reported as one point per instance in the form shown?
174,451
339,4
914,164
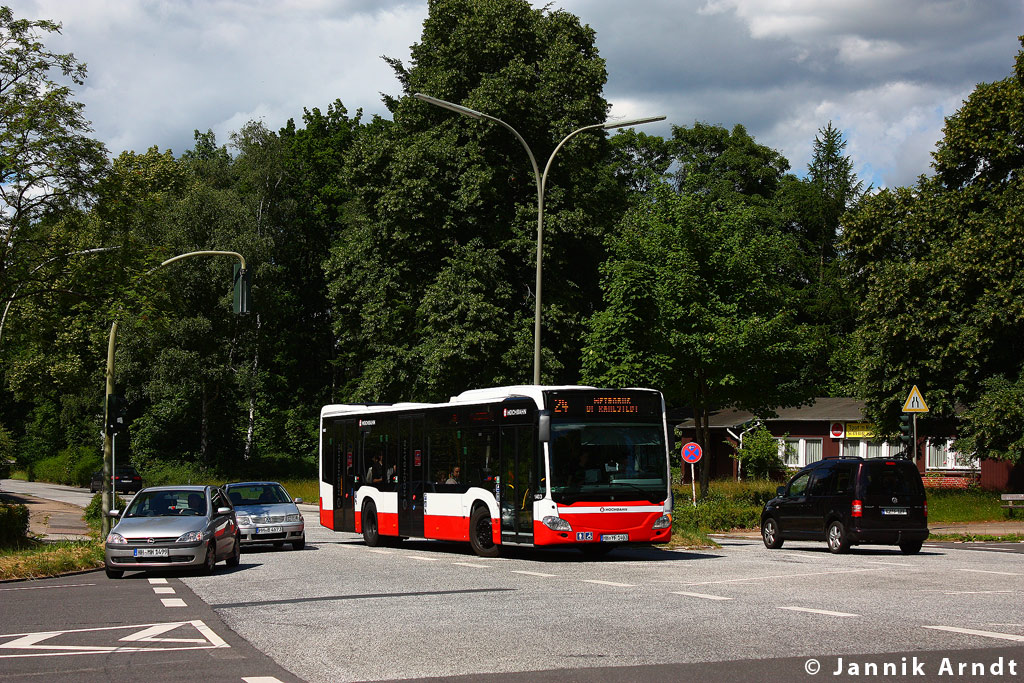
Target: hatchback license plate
151,552
894,511
269,530
614,538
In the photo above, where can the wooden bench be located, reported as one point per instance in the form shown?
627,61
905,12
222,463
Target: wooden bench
1012,501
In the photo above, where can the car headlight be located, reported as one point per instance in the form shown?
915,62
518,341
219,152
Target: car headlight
293,518
556,524
191,537
663,522
115,538
243,519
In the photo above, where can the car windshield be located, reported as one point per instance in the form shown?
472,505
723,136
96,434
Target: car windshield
258,494
607,461
167,504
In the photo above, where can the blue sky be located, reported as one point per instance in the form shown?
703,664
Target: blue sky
886,73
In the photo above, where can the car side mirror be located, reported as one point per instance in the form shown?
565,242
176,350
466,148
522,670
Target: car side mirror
223,511
781,491
114,513
298,501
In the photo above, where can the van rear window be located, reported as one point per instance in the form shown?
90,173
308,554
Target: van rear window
892,479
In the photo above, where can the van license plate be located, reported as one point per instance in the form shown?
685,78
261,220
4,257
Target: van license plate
614,538
894,511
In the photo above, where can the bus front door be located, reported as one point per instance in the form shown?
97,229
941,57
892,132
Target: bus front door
518,483
412,459
348,447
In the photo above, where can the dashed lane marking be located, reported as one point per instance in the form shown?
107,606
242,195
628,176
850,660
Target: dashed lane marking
157,582
163,590
986,571
261,679
705,596
173,602
892,564
785,576
610,583
423,559
824,612
984,634
540,574
470,564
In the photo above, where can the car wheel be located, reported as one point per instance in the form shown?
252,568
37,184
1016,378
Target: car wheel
770,534
371,534
481,533
114,573
299,544
911,547
236,554
836,538
211,560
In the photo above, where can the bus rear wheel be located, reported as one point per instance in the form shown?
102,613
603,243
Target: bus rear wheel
371,532
481,533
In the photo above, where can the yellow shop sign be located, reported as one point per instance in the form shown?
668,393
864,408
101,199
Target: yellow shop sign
860,430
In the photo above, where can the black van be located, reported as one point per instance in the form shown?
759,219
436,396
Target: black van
847,501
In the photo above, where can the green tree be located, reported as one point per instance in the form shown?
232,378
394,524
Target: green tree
939,274
693,304
46,159
443,203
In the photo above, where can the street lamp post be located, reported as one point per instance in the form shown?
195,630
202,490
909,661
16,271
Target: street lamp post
109,497
541,181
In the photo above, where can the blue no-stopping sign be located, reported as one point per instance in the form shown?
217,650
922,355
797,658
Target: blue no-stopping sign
691,452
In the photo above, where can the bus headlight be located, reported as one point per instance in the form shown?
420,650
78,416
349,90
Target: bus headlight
663,522
556,524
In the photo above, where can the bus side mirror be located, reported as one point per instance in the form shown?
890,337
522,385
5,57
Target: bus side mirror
544,433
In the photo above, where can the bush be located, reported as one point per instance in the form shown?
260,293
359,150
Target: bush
72,466
728,505
158,473
94,510
13,523
760,455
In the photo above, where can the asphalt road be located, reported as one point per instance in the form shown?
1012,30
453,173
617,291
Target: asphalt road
339,611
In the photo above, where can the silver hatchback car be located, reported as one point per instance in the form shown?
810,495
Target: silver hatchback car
173,526
266,514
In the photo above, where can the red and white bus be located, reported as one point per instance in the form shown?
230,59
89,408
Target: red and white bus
523,465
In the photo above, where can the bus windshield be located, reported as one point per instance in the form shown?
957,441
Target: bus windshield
607,461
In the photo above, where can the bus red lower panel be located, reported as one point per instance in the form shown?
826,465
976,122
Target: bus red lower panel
326,516
446,528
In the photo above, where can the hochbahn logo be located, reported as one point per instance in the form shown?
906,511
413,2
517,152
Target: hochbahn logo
367,423
515,412
613,510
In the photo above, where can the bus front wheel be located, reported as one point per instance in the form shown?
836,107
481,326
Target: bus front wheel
371,533
481,533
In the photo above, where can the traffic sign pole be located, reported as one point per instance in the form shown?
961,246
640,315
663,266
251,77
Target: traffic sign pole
691,453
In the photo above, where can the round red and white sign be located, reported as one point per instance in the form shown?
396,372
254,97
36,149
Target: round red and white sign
838,430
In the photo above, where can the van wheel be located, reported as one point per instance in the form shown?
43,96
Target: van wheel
481,533
770,534
911,547
836,537
371,533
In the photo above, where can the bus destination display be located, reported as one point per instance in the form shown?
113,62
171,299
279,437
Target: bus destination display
621,405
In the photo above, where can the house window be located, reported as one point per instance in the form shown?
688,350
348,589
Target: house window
797,452
862,448
941,456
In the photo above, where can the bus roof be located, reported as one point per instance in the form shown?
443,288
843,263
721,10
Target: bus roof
490,395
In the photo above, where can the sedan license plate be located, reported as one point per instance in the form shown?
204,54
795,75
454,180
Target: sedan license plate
269,530
614,538
151,552
894,511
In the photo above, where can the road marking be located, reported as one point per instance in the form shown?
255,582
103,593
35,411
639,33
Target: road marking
173,602
36,588
947,592
891,564
701,595
983,634
41,644
379,552
157,582
261,679
423,559
986,571
825,612
540,574
470,564
163,590
610,583
784,576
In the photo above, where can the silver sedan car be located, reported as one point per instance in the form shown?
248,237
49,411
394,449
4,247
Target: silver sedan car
266,514
173,526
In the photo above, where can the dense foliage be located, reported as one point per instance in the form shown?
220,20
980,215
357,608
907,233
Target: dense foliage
393,259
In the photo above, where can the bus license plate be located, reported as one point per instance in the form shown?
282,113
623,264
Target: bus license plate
894,511
269,530
151,552
614,538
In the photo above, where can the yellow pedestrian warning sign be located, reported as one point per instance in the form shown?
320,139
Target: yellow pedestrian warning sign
915,402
